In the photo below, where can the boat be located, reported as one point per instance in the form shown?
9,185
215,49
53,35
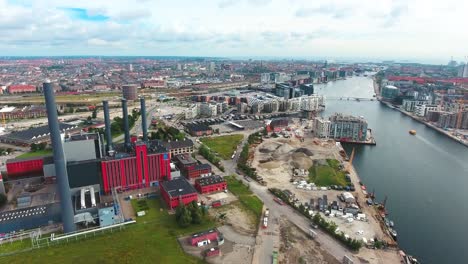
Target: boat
393,233
391,223
412,132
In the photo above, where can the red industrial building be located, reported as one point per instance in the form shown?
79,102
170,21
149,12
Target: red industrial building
199,130
211,235
15,89
190,168
25,167
140,170
215,251
210,184
277,125
177,191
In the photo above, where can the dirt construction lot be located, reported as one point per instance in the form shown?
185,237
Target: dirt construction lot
298,247
275,160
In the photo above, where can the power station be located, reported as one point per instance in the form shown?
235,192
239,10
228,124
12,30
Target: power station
86,171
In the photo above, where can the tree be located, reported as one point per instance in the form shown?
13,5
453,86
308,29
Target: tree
33,147
183,216
264,131
88,119
94,113
41,146
3,199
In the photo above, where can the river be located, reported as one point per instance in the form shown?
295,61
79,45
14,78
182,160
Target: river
425,176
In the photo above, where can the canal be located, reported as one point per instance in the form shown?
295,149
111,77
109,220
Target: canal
425,177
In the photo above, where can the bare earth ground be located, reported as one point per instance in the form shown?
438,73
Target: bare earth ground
275,159
236,218
297,247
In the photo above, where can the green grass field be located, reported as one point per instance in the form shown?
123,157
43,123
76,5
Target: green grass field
223,145
153,239
44,152
326,175
246,197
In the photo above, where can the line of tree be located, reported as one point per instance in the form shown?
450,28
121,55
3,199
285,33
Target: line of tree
190,214
38,147
210,156
167,132
244,155
329,227
117,126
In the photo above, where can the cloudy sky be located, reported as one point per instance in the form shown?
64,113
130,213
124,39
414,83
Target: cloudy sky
424,30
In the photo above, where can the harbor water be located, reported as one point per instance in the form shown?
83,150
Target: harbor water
424,176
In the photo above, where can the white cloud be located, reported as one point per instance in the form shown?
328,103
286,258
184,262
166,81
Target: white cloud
384,28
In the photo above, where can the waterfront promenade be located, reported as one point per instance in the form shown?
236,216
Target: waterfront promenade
438,129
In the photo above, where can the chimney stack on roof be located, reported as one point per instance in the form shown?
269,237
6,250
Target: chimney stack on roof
59,160
143,119
107,121
126,126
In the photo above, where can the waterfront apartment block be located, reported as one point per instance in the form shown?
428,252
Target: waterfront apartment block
348,128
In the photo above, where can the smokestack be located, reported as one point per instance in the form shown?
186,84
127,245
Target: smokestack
143,119
125,120
107,121
59,160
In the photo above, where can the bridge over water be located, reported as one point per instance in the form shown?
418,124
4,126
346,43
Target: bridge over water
345,98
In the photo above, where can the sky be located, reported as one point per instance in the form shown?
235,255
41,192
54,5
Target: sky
420,30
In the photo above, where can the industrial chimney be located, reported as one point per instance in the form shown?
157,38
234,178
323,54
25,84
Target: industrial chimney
143,119
126,127
107,121
59,160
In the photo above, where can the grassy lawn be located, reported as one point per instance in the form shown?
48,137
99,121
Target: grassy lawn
151,240
326,175
31,154
223,145
246,197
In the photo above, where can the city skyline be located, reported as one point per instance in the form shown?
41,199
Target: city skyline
400,30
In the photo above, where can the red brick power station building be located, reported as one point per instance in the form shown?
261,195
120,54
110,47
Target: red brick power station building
27,166
210,184
142,169
178,191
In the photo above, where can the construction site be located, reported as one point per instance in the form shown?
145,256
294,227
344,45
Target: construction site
318,175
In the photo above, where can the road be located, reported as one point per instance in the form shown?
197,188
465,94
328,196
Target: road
276,210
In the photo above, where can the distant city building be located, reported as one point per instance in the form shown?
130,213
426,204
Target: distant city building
410,105
212,67
390,92
192,112
153,84
18,89
129,92
198,130
179,146
447,120
348,128
308,89
465,71
321,127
